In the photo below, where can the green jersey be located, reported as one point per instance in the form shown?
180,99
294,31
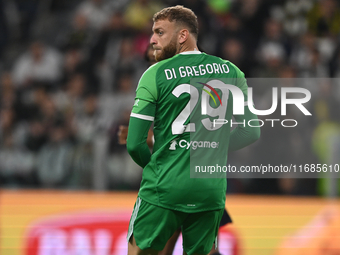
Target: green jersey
189,99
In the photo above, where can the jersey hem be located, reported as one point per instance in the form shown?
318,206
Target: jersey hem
185,211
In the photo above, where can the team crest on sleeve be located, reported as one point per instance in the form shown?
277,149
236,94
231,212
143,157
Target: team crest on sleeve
136,102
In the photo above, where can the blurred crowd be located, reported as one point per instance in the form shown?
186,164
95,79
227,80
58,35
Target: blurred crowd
69,70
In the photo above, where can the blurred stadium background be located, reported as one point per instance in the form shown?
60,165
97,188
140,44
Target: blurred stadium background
68,74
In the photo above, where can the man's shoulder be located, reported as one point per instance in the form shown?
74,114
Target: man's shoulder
152,68
149,77
232,67
155,67
151,72
216,58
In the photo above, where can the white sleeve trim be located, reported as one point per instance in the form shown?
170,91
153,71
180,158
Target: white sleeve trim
141,116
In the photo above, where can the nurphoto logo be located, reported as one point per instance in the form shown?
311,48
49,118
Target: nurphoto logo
239,103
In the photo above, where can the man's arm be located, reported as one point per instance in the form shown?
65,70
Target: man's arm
136,141
123,133
243,135
142,116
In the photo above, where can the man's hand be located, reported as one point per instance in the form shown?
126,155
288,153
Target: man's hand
122,134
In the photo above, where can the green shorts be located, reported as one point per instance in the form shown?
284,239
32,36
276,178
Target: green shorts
152,226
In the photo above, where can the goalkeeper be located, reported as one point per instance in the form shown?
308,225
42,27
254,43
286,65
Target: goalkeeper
182,109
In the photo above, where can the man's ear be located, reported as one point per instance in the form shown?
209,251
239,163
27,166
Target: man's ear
183,35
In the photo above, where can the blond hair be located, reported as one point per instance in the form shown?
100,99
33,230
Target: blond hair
181,15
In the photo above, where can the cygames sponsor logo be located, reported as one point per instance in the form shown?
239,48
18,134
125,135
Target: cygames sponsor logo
174,144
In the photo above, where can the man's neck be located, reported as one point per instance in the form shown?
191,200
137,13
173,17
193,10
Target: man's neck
184,48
